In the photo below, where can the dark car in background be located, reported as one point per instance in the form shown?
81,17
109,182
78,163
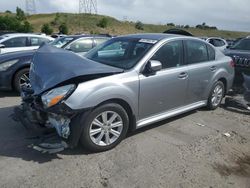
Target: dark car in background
14,67
240,52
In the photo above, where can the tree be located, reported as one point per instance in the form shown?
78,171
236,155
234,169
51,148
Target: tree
186,26
8,12
139,25
103,23
63,28
171,24
47,29
26,27
20,15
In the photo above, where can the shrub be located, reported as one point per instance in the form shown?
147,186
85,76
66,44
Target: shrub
103,23
46,29
63,29
139,25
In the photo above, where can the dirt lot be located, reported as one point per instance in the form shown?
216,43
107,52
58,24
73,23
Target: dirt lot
186,151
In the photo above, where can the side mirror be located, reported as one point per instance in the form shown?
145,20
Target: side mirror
2,46
154,65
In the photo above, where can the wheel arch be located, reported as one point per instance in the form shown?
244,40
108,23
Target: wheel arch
224,81
127,108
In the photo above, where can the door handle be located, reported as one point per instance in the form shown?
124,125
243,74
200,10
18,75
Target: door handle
213,68
183,75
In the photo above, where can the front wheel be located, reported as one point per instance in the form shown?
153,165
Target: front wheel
216,95
105,127
21,79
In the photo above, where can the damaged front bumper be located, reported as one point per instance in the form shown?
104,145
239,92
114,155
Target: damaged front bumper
53,124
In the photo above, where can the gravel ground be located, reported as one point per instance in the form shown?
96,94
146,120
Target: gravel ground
187,151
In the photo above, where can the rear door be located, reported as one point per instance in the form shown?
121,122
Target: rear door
166,89
15,44
35,42
201,66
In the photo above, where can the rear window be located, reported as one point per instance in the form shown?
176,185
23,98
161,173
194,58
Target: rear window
211,53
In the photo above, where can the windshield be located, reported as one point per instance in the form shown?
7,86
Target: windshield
243,44
60,42
123,53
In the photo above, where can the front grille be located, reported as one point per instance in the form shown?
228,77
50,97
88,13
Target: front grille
241,61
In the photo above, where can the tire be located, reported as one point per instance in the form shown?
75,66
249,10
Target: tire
216,95
105,137
17,79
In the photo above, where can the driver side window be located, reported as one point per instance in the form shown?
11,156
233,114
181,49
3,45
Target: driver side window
170,54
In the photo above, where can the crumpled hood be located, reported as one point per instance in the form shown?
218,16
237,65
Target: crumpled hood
52,66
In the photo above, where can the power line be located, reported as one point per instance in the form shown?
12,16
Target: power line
30,7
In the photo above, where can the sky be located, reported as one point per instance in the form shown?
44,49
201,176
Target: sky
224,14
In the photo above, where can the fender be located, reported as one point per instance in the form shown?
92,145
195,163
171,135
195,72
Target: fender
92,93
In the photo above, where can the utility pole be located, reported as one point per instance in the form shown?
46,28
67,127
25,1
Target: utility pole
87,7
30,7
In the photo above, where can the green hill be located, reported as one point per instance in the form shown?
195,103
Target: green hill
86,23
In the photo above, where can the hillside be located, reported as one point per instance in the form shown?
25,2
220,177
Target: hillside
86,23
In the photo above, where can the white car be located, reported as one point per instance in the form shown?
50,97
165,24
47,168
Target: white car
217,42
20,42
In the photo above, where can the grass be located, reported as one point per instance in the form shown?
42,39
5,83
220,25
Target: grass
87,23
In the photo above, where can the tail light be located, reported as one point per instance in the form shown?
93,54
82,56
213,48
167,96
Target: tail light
232,63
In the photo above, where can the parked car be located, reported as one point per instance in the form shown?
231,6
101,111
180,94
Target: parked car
14,67
21,42
217,42
240,52
126,83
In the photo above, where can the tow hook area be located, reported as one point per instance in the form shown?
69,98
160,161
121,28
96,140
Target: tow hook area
49,138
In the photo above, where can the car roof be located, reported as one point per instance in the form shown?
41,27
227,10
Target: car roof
82,36
23,34
154,36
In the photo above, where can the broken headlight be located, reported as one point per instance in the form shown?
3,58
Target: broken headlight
56,95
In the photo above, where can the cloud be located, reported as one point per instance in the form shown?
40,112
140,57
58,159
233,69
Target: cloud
225,14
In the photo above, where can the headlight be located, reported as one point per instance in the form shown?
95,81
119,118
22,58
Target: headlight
56,95
4,66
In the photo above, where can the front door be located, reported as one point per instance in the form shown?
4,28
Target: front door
166,89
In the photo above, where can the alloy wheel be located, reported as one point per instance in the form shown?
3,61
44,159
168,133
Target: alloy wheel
24,80
217,95
106,128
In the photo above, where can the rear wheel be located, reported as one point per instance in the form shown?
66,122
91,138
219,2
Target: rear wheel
21,79
216,95
105,127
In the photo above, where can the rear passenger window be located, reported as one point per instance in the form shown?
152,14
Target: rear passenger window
170,55
211,53
196,52
37,41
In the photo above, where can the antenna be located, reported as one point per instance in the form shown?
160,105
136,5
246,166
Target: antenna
30,7
88,6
